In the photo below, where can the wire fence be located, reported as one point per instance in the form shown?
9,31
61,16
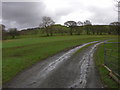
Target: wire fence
112,56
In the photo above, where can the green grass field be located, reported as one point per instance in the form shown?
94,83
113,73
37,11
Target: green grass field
19,54
99,61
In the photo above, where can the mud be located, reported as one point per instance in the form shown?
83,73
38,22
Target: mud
61,71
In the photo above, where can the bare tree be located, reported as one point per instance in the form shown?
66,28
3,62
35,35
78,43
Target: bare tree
2,27
115,28
13,32
78,29
79,23
71,25
87,22
88,25
46,22
3,32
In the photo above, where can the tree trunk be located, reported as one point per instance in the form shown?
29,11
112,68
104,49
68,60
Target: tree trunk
87,32
13,37
47,32
100,33
51,33
97,33
70,31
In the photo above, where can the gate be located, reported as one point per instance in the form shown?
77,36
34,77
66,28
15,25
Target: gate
112,56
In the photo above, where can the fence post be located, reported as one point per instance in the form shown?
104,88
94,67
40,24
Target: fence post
104,52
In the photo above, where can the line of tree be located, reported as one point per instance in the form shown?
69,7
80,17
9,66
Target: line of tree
48,27
13,32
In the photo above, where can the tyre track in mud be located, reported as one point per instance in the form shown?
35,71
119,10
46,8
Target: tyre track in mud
62,70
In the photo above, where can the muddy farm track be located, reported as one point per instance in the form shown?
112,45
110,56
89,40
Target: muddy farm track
63,70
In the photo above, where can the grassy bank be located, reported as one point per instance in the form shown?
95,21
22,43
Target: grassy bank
83,48
99,61
19,54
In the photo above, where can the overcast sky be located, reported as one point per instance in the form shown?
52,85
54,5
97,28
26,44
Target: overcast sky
28,14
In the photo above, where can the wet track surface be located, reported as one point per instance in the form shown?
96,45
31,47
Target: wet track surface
63,70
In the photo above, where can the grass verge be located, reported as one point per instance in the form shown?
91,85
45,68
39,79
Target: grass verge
83,48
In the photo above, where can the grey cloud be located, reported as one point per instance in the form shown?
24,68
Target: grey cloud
22,14
28,14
